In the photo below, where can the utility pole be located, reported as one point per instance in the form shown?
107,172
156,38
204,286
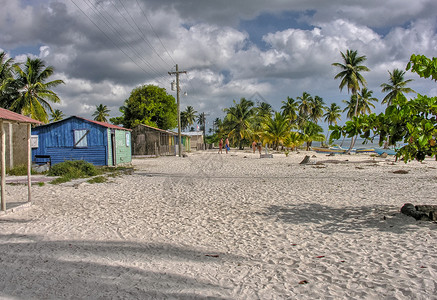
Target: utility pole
179,107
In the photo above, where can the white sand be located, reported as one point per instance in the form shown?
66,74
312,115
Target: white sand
215,226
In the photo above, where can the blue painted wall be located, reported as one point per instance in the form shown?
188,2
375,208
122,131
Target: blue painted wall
57,140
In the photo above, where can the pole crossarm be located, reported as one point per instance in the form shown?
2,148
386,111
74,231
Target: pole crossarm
177,72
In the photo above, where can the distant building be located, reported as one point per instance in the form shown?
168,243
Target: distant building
197,141
76,138
151,141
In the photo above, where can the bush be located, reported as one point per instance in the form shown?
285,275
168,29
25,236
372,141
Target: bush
74,169
20,170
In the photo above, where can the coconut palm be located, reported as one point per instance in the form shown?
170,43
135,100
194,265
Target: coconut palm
276,130
8,87
35,92
237,121
264,110
351,77
184,121
396,86
317,109
364,101
101,113
305,103
190,115
57,115
333,113
293,140
289,109
312,132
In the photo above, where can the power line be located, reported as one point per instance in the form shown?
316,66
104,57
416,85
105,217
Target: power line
105,20
147,19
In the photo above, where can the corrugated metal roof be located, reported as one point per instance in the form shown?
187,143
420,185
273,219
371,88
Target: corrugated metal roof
92,121
105,124
6,114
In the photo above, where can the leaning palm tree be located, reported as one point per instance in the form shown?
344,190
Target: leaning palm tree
396,86
312,132
57,115
289,109
35,92
351,77
101,113
237,121
333,113
276,130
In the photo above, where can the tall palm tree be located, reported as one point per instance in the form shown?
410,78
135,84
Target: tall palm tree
317,109
35,92
396,86
333,113
289,109
351,77
57,115
8,86
184,120
276,130
237,121
190,115
305,103
264,110
101,113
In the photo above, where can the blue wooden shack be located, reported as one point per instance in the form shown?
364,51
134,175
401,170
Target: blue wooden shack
76,138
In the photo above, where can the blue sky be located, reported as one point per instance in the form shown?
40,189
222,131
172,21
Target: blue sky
103,49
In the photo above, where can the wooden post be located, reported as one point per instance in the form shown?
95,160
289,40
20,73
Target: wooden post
3,167
11,146
29,162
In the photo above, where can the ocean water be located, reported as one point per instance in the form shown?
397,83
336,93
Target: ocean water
358,144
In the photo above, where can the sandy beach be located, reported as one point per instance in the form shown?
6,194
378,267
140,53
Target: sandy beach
233,226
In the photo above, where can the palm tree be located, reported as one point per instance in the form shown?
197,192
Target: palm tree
351,77
237,121
289,109
190,115
364,101
305,103
332,114
57,115
8,88
34,92
317,108
294,140
264,110
101,113
396,86
312,132
276,130
184,120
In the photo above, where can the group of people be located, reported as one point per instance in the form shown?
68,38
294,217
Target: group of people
255,145
226,146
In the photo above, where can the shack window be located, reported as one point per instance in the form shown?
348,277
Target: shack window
80,140
127,139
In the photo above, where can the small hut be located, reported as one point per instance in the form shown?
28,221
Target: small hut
76,138
151,141
11,121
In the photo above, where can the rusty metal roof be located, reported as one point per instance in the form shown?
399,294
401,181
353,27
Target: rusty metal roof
8,115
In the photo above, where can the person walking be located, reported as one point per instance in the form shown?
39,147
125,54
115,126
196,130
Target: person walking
220,147
227,145
254,147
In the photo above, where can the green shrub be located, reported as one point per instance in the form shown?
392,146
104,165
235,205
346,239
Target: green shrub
98,179
75,169
20,170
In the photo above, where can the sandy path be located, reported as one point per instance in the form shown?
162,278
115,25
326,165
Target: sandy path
227,227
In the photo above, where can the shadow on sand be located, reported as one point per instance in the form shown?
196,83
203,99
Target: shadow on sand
32,267
330,220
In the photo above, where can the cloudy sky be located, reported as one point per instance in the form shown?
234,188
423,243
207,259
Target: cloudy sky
260,50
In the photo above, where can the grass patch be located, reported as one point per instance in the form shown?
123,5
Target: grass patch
70,170
20,170
98,179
